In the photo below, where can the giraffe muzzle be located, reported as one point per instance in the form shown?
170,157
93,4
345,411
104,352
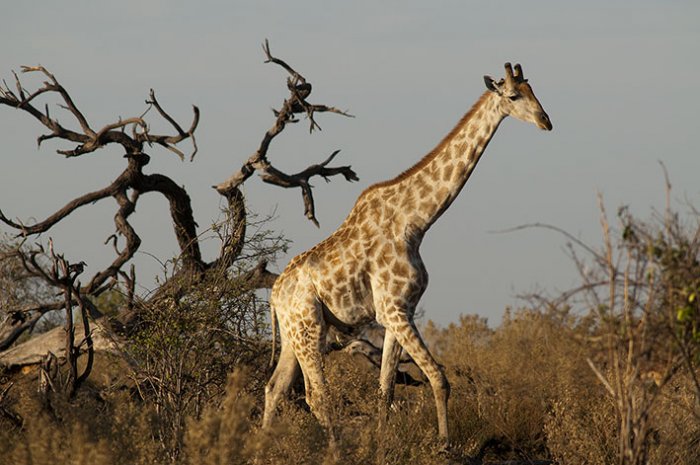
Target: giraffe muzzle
544,122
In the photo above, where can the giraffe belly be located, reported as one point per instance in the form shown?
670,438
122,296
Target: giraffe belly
349,301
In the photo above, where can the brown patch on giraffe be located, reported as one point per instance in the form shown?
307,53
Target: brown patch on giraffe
385,276
366,232
434,175
334,260
419,183
387,194
423,187
374,203
447,172
400,269
336,296
461,167
428,206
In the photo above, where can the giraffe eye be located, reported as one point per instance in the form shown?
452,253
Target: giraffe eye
513,98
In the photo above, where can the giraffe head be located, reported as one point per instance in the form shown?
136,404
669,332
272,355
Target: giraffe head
517,98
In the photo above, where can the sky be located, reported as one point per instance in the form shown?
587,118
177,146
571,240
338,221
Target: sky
617,78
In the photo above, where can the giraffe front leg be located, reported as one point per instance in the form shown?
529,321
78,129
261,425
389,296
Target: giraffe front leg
407,335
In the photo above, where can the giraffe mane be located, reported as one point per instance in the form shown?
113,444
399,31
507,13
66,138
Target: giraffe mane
438,148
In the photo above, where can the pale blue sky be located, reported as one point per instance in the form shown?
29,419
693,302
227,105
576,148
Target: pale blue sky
617,78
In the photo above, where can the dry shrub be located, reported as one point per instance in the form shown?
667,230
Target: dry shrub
676,429
188,346
580,427
639,292
296,437
506,382
410,434
223,434
48,445
520,391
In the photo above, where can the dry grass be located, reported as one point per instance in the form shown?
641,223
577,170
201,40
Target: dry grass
522,391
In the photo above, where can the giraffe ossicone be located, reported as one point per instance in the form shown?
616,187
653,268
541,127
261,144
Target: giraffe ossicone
370,267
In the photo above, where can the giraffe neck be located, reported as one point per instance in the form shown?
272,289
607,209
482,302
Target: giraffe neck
426,190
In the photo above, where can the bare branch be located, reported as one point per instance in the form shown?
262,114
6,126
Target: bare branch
169,141
298,78
273,176
120,125
601,378
561,231
55,86
89,140
299,90
69,208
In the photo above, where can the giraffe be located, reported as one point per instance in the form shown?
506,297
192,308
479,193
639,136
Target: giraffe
370,267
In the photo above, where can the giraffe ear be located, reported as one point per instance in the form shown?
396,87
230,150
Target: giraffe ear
492,85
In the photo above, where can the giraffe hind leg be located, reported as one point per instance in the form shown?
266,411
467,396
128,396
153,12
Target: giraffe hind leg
391,353
317,392
309,346
280,383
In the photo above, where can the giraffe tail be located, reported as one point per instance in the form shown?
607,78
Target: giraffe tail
273,328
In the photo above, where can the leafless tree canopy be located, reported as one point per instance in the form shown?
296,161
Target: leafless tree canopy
134,135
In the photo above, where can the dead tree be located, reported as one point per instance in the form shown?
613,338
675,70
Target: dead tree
134,136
